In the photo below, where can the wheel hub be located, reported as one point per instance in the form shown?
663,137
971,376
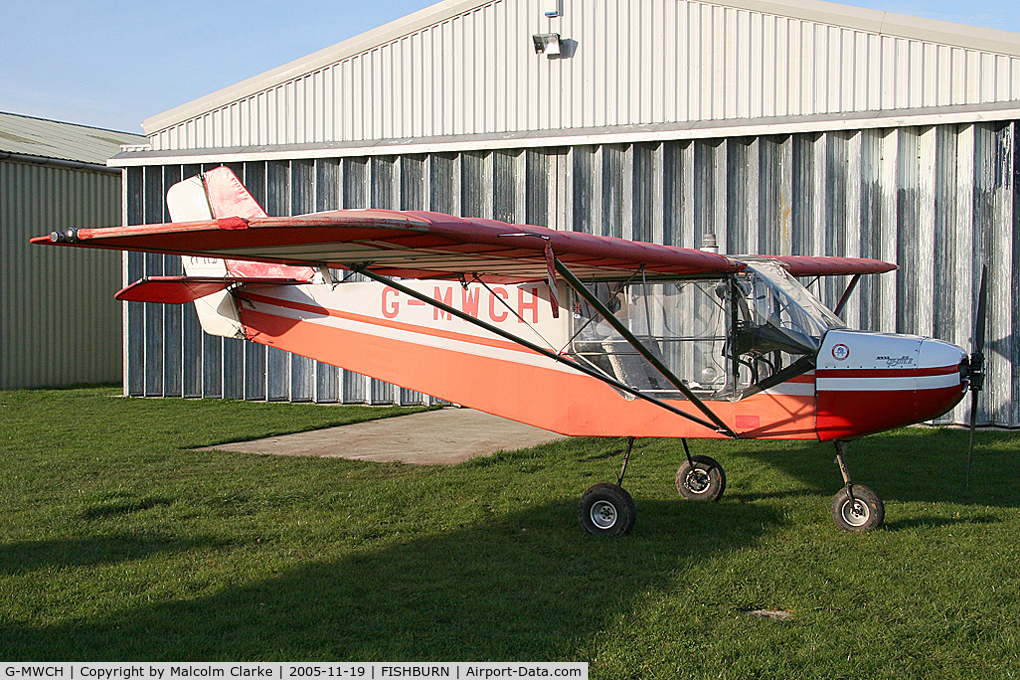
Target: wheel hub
855,512
698,481
603,514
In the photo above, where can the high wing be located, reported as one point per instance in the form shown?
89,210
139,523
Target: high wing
218,218
407,244
416,244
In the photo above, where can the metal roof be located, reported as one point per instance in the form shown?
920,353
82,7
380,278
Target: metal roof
50,139
469,68
858,18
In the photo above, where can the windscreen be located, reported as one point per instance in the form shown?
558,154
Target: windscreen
777,313
720,336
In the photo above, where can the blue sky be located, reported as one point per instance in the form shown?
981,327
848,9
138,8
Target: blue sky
114,63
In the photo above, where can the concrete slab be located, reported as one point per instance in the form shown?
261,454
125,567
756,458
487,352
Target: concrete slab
444,437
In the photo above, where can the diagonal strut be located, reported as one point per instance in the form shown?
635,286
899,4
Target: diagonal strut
582,290
364,270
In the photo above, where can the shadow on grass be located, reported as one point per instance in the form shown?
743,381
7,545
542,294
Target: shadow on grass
19,558
527,586
909,464
770,495
928,521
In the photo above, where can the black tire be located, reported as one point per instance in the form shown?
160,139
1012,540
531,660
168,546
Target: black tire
864,513
704,481
606,510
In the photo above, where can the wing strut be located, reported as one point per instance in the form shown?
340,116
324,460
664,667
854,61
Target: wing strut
364,270
838,311
592,300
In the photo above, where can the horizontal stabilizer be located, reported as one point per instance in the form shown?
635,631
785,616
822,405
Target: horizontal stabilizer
178,290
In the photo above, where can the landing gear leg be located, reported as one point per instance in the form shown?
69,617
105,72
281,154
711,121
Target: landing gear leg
626,459
608,510
855,507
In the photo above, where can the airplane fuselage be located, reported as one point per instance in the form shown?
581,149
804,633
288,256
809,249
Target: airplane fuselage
862,382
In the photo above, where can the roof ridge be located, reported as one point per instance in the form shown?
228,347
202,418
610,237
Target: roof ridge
64,122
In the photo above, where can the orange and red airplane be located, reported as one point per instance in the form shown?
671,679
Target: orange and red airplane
574,333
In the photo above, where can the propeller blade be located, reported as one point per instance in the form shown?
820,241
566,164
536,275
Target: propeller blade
973,423
976,364
978,339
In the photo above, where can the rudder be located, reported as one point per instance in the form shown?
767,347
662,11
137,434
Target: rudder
216,194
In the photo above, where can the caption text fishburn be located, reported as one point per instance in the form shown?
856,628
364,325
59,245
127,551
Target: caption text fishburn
291,671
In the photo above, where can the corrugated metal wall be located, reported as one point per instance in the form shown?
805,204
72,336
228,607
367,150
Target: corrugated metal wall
59,323
938,200
629,62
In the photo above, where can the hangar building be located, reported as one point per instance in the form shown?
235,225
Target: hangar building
782,127
54,175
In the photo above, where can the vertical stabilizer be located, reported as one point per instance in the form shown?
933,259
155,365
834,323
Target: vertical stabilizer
225,196
216,194
187,201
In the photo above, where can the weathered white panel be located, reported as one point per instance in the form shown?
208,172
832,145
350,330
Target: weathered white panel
625,62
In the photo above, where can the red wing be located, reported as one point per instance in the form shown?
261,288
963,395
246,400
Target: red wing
834,266
806,265
433,245
407,244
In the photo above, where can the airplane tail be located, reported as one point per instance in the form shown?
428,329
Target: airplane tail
216,194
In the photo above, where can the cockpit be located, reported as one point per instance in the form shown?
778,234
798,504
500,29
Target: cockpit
725,337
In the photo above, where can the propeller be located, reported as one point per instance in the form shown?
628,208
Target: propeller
976,363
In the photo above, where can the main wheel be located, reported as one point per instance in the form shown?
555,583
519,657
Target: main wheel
863,512
703,481
606,510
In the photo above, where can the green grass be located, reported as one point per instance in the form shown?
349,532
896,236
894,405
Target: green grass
120,542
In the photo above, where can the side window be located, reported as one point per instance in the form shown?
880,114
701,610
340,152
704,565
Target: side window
684,323
723,337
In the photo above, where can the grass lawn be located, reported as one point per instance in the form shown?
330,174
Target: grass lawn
120,542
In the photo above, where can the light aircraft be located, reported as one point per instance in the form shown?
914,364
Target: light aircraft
574,333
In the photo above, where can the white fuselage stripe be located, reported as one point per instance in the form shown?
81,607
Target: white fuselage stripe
410,336
905,383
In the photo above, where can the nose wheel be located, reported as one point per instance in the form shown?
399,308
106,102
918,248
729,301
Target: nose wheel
855,507
863,511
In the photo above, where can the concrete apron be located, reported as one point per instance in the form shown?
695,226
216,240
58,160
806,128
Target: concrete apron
444,437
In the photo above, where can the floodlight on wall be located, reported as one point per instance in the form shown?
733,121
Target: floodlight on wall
548,44
553,8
